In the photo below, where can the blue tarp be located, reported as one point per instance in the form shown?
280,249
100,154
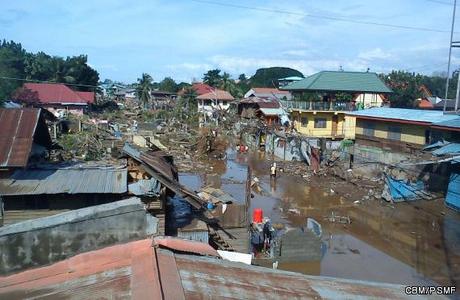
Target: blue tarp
401,190
179,212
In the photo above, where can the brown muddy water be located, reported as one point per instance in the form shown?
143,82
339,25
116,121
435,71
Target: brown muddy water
410,243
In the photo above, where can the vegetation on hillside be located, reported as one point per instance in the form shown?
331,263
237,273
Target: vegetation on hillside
268,77
17,66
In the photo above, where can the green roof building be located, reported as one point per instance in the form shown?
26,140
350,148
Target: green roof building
340,81
321,100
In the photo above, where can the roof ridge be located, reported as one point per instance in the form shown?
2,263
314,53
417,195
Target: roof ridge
318,75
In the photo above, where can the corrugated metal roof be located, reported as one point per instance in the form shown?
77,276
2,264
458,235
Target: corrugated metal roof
220,279
272,111
216,95
340,81
454,123
448,149
17,131
404,114
135,270
52,93
184,246
65,181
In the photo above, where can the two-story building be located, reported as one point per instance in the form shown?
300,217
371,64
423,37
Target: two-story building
213,102
321,100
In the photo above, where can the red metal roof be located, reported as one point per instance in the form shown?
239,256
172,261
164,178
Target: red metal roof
261,102
425,103
269,91
187,246
217,95
48,93
136,270
17,130
202,88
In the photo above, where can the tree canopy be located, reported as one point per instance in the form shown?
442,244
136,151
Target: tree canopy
407,87
268,77
169,85
17,63
212,77
144,88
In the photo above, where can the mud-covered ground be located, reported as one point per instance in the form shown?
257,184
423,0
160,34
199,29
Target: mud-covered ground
404,243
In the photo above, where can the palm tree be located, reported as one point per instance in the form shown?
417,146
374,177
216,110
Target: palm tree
212,77
229,85
144,88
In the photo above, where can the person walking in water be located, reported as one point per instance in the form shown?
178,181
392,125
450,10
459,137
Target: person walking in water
273,170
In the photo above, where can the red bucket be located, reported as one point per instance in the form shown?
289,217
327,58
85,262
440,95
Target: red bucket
257,215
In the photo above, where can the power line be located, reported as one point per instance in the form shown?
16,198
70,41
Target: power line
317,16
424,67
441,2
44,81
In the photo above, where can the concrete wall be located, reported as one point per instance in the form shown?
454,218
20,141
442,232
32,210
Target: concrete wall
309,129
414,134
46,240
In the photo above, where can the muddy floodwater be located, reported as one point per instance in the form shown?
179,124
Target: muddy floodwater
408,243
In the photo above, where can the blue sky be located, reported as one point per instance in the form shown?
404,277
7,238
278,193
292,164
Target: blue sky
184,38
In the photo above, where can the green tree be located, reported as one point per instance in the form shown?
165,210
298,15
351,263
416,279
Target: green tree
77,70
243,83
168,84
229,85
268,77
11,66
212,78
144,88
406,88
190,99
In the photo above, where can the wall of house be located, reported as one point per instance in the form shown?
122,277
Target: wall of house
349,127
413,134
451,136
369,100
205,105
44,241
310,130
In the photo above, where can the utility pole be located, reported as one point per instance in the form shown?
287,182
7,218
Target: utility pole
450,53
458,92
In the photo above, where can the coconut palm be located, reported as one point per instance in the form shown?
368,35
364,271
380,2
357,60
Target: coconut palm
144,88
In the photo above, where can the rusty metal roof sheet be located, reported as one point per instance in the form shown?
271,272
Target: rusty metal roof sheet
135,270
183,245
65,181
16,135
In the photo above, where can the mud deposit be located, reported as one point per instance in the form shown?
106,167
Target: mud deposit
408,243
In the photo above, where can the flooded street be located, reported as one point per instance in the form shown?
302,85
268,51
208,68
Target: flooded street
410,243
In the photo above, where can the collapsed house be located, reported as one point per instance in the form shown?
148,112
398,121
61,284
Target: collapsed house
266,109
24,138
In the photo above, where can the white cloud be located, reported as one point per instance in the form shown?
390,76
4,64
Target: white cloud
376,53
249,65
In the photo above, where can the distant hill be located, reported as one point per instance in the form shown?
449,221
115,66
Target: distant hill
268,77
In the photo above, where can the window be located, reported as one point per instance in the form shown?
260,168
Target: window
320,123
394,133
368,129
304,121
